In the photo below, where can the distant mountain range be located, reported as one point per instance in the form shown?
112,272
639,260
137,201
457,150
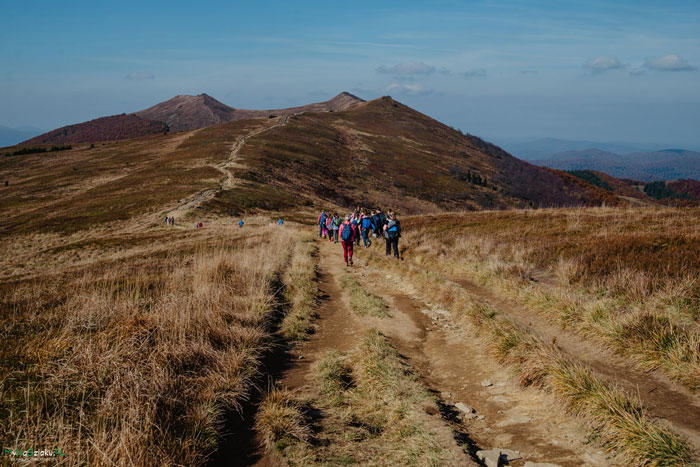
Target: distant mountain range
543,148
180,113
10,136
667,164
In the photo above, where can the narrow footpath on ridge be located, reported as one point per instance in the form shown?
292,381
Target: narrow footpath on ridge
229,180
449,361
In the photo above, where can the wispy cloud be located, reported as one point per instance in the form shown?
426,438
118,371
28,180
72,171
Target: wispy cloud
411,89
477,73
602,64
139,76
407,69
670,62
529,72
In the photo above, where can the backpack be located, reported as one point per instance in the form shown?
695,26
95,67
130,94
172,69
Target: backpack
382,218
347,232
337,222
322,220
392,229
366,222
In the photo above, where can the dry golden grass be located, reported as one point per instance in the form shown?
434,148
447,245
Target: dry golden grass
629,278
373,413
135,356
617,419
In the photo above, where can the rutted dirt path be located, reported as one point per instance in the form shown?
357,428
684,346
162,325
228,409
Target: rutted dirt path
666,400
451,362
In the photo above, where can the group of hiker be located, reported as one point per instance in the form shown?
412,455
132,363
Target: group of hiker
361,224
169,220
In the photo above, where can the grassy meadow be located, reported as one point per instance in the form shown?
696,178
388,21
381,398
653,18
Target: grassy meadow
629,278
137,351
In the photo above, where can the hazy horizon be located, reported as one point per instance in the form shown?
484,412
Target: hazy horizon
600,71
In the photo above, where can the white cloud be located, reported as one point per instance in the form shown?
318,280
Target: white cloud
477,73
407,69
139,76
410,89
601,64
670,62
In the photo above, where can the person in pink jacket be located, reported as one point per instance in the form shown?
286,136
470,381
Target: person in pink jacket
347,234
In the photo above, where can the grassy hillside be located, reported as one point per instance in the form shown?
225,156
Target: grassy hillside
383,152
93,184
627,277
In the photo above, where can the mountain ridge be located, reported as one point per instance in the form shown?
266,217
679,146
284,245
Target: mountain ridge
180,113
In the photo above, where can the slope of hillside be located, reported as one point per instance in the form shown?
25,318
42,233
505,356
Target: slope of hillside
111,128
192,112
376,153
383,152
180,113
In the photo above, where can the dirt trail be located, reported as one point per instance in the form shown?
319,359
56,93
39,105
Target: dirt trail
666,400
229,181
450,362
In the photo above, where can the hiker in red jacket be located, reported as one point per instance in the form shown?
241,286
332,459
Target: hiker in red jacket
347,235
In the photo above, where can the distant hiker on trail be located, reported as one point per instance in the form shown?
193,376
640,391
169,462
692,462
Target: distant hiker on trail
172,220
347,237
240,223
166,221
356,224
322,224
376,223
366,225
201,225
336,226
329,227
392,233
280,222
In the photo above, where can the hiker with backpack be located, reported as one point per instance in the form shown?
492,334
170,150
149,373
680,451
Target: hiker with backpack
366,225
322,224
336,226
356,222
348,233
392,233
329,227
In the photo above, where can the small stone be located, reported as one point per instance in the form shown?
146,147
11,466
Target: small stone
514,421
486,383
481,417
446,395
497,457
464,407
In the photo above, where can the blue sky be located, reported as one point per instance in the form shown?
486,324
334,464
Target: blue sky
597,70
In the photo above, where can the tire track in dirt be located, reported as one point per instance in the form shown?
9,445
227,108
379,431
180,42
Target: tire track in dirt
665,400
336,328
453,363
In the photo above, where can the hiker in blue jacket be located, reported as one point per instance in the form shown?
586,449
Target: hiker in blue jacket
322,224
392,233
366,225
